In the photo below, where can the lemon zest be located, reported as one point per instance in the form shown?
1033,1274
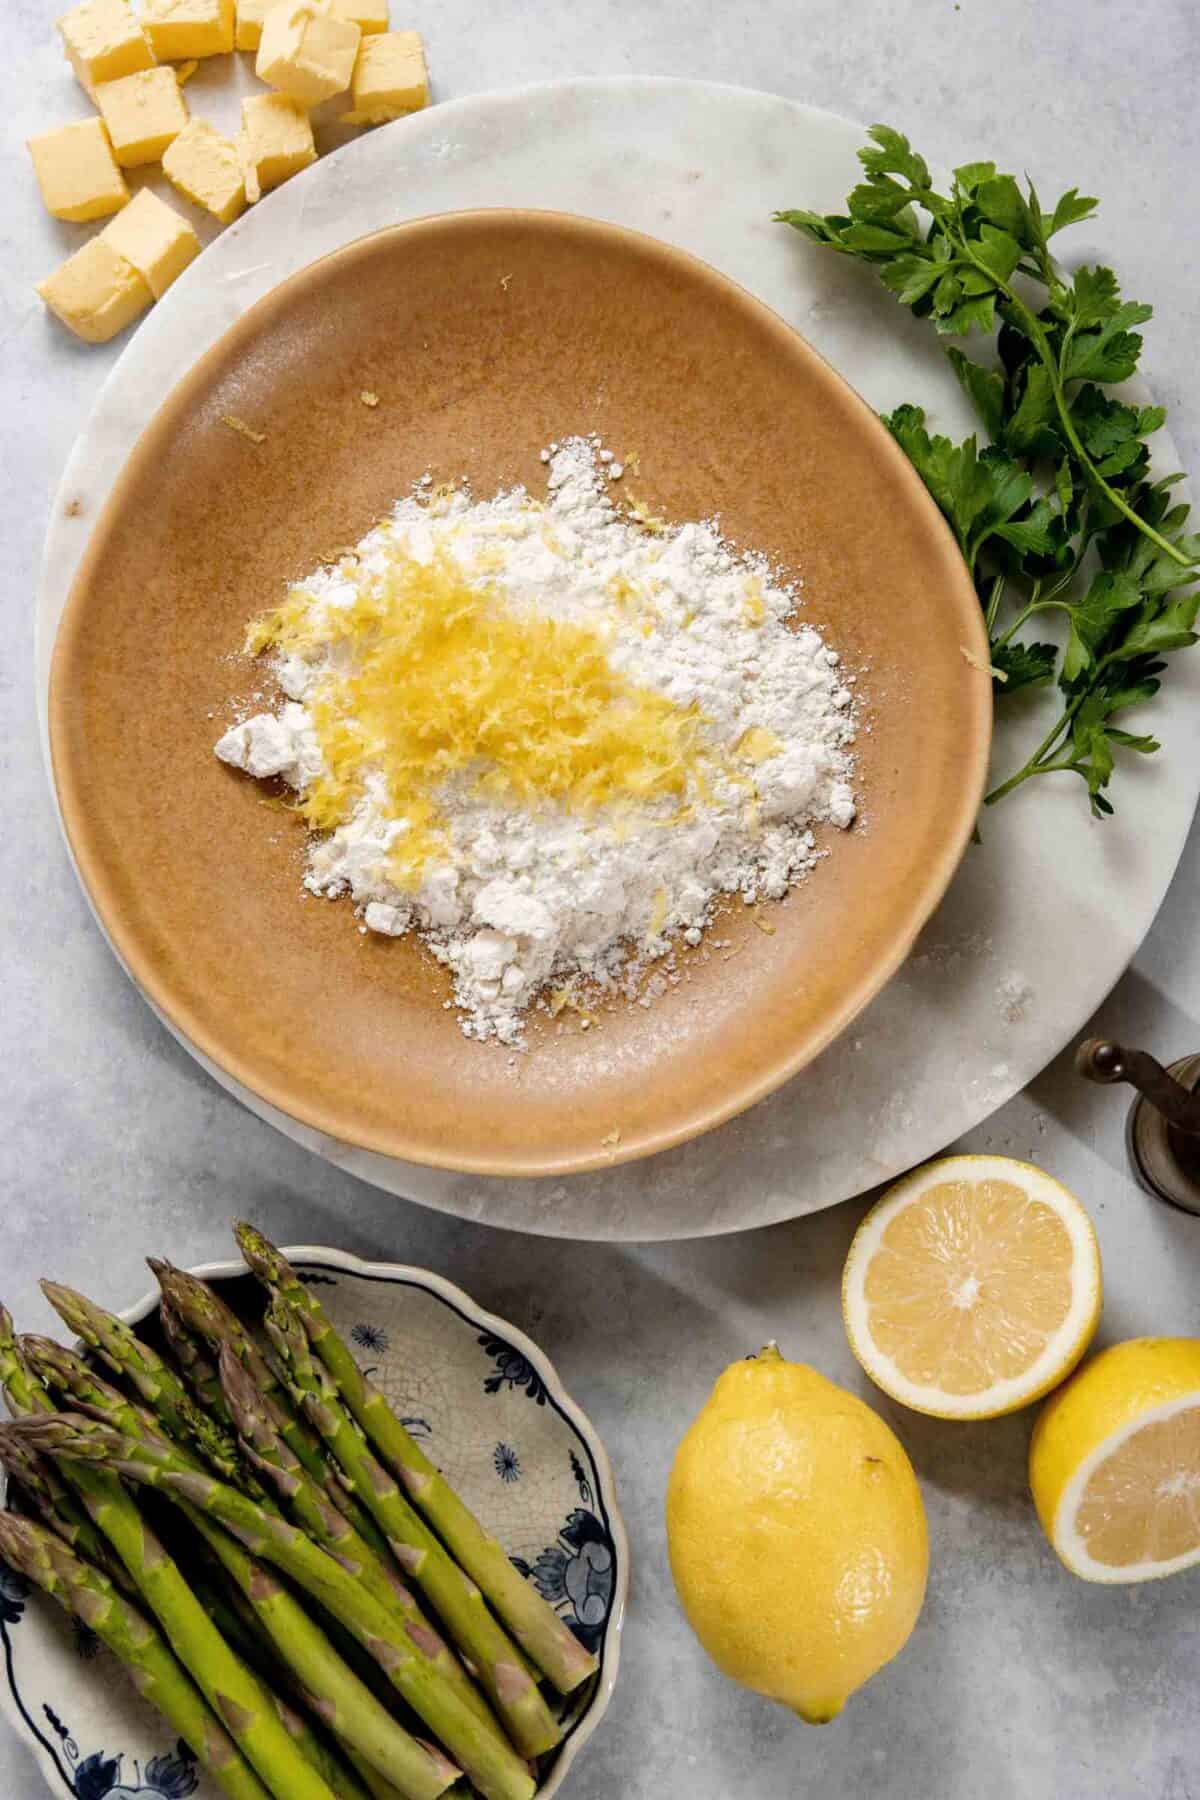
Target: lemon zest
448,681
639,510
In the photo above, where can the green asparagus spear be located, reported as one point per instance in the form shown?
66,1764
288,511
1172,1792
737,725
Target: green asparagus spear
533,1623
235,1695
27,1397
50,1564
62,1512
24,1393
232,1614
380,1788
337,1774
456,1600
204,1312
120,1348
199,1371
481,1751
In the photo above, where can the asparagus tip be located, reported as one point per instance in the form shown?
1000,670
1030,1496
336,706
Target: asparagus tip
15,1537
260,1253
16,1457
67,1434
237,1385
40,1354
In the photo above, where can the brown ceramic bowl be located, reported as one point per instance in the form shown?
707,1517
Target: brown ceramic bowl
486,336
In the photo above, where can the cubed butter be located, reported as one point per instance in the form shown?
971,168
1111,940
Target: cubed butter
306,52
144,113
104,40
368,15
77,172
154,238
250,16
180,29
207,170
390,78
96,293
277,141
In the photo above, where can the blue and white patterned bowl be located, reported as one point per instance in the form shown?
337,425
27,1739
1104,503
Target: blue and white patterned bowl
492,1413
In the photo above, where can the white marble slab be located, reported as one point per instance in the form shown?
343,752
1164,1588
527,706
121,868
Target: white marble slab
1045,912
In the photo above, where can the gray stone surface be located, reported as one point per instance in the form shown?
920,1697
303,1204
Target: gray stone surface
1019,1681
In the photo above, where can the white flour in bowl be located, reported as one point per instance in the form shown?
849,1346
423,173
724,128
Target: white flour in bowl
550,736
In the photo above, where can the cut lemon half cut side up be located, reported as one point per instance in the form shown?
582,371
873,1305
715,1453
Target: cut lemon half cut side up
1115,1463
972,1288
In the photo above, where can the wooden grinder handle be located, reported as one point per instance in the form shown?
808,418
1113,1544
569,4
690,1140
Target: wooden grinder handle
1102,1061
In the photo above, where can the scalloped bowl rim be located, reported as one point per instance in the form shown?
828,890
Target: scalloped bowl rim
305,1255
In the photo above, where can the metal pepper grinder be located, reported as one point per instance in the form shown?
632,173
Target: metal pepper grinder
1163,1131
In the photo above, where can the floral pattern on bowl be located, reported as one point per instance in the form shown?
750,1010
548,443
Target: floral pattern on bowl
491,1411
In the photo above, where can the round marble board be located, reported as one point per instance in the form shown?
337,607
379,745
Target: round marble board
1045,912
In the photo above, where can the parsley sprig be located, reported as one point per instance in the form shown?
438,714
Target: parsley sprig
1058,512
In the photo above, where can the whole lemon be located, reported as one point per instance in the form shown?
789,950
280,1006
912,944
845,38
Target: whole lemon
797,1535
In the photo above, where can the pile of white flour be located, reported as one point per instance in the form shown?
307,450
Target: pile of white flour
530,900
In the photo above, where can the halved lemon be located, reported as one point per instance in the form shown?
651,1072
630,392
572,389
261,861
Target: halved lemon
972,1287
1115,1462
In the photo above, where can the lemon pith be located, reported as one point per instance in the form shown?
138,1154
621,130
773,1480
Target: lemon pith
797,1535
972,1287
1114,1464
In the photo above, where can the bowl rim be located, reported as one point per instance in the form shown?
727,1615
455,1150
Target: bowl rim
325,1114
320,1256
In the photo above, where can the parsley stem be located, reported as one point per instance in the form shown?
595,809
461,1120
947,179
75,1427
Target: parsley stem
1064,580
1036,764
1035,606
993,605
1027,774
1034,331
1009,786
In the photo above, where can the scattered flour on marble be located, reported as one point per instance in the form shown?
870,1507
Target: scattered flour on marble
538,901
1013,997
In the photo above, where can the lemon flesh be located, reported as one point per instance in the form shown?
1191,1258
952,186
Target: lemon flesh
973,1287
1114,1464
797,1535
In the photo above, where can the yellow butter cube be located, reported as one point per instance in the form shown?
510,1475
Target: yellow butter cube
207,170
104,40
390,78
250,16
306,52
368,15
154,238
77,172
96,293
144,113
181,29
276,141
